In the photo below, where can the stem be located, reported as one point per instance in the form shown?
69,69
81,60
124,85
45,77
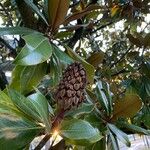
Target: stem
55,124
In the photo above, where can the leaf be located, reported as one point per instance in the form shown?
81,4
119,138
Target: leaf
15,132
147,40
25,78
62,55
124,107
36,10
134,128
17,31
81,14
120,135
35,106
89,68
138,41
37,50
100,145
112,142
96,58
79,132
81,110
7,106
145,68
104,96
57,11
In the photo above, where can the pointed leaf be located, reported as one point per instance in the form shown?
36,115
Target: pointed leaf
37,50
135,129
25,78
79,132
120,135
104,96
17,31
36,10
16,133
35,106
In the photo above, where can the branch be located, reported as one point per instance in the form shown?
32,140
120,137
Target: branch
121,57
78,34
13,52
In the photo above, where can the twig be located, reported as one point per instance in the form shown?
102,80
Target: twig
121,57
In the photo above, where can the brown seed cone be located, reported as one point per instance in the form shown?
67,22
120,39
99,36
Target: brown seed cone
70,91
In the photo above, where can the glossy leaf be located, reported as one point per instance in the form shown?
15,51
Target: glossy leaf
79,132
89,68
120,134
57,11
25,78
17,31
135,128
37,50
124,107
7,106
36,10
61,55
15,132
35,106
81,110
104,96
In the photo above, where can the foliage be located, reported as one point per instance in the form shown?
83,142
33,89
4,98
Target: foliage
40,38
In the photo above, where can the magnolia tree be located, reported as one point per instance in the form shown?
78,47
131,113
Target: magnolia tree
80,73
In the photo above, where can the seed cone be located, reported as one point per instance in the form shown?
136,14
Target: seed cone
70,91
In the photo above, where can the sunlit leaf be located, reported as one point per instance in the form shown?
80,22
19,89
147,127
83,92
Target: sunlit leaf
15,132
79,132
35,106
37,50
17,31
120,134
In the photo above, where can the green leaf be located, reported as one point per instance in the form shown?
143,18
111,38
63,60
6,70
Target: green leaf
79,132
7,106
81,110
35,106
120,135
89,68
17,31
15,132
37,50
124,107
62,55
100,145
104,96
112,141
135,128
36,10
25,78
